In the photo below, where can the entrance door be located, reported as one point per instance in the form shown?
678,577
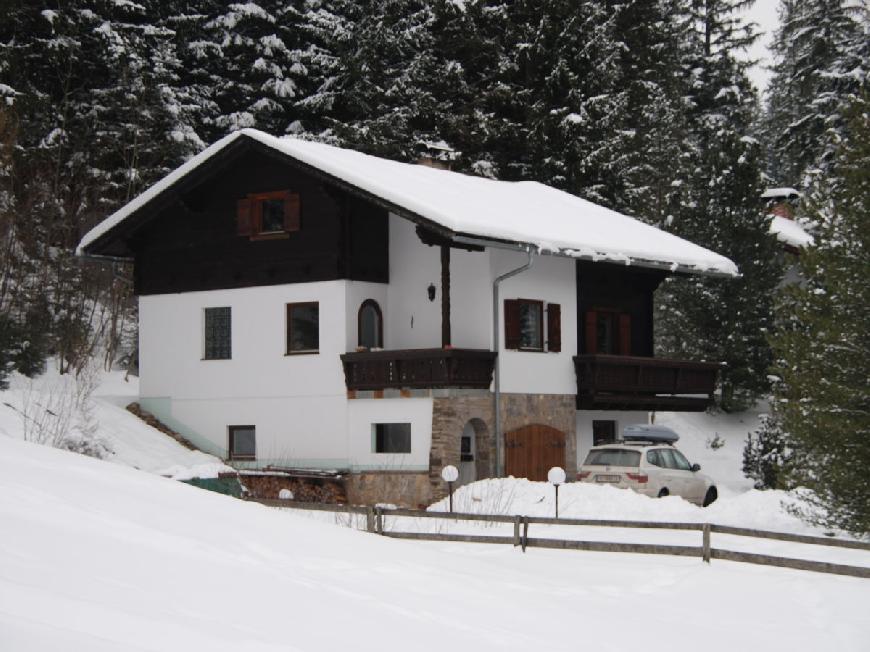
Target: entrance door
467,464
533,450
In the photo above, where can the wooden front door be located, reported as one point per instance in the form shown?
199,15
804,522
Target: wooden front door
533,450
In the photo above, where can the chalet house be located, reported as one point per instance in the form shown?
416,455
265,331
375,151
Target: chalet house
303,306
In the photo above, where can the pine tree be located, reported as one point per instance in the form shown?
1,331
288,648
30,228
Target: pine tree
766,454
722,320
821,53
382,103
823,344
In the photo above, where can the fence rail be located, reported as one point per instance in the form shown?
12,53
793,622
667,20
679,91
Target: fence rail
375,518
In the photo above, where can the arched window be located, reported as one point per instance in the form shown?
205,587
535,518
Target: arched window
370,325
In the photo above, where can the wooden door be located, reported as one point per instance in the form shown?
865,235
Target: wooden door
533,450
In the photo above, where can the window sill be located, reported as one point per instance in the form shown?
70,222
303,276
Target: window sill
291,353
272,235
242,458
215,359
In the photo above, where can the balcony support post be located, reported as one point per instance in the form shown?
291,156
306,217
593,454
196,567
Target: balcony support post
445,296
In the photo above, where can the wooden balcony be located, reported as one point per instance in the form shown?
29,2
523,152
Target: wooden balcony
418,369
617,382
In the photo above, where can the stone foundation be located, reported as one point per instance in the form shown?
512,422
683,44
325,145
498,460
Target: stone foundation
401,488
450,414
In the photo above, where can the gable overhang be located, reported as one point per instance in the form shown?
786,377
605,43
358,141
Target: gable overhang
111,242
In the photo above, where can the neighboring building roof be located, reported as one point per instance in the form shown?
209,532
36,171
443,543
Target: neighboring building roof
790,232
523,212
779,193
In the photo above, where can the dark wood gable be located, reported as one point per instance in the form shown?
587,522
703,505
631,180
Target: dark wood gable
623,297
205,235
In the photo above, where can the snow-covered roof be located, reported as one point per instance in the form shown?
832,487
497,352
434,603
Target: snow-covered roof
790,232
524,212
779,193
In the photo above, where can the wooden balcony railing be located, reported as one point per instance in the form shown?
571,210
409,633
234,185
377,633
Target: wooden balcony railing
613,382
418,369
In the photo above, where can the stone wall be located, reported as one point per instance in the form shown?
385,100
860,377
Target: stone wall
451,411
401,488
556,410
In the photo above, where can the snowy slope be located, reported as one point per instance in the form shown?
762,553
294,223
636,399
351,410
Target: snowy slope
131,441
96,556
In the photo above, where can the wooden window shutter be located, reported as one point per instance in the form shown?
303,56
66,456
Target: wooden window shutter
624,334
292,211
511,324
244,217
591,331
554,327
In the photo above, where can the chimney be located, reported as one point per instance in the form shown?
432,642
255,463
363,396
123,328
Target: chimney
435,154
781,201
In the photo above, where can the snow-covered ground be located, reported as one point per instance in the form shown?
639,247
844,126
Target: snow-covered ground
96,556
127,439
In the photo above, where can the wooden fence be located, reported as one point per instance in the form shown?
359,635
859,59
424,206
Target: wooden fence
376,518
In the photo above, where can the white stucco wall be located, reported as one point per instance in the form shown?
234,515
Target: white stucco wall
298,403
584,426
552,280
413,321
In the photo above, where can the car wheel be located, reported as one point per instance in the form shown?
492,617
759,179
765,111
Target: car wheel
711,496
664,492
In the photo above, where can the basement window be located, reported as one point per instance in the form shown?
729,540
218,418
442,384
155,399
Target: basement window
243,442
391,437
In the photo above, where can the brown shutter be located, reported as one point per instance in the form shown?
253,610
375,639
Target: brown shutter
591,331
554,327
291,211
624,334
511,324
244,217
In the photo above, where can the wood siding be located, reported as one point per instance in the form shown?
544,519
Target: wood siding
194,243
604,286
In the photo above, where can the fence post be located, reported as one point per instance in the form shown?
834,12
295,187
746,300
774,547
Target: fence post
525,532
517,530
370,519
379,520
705,552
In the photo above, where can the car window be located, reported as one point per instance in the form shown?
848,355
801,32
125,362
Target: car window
682,462
654,458
667,457
613,457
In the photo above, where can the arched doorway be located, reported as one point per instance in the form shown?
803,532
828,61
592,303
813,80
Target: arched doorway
472,460
533,450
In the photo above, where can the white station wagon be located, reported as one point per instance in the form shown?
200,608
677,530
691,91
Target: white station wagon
647,462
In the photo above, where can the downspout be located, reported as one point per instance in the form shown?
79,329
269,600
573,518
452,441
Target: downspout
496,366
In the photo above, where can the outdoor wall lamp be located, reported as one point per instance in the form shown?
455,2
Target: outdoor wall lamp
431,291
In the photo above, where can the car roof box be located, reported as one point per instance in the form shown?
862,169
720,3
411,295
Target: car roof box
653,433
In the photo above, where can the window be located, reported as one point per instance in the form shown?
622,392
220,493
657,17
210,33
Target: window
613,457
218,334
608,331
603,432
303,327
268,214
524,325
465,452
370,325
654,457
242,443
392,437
